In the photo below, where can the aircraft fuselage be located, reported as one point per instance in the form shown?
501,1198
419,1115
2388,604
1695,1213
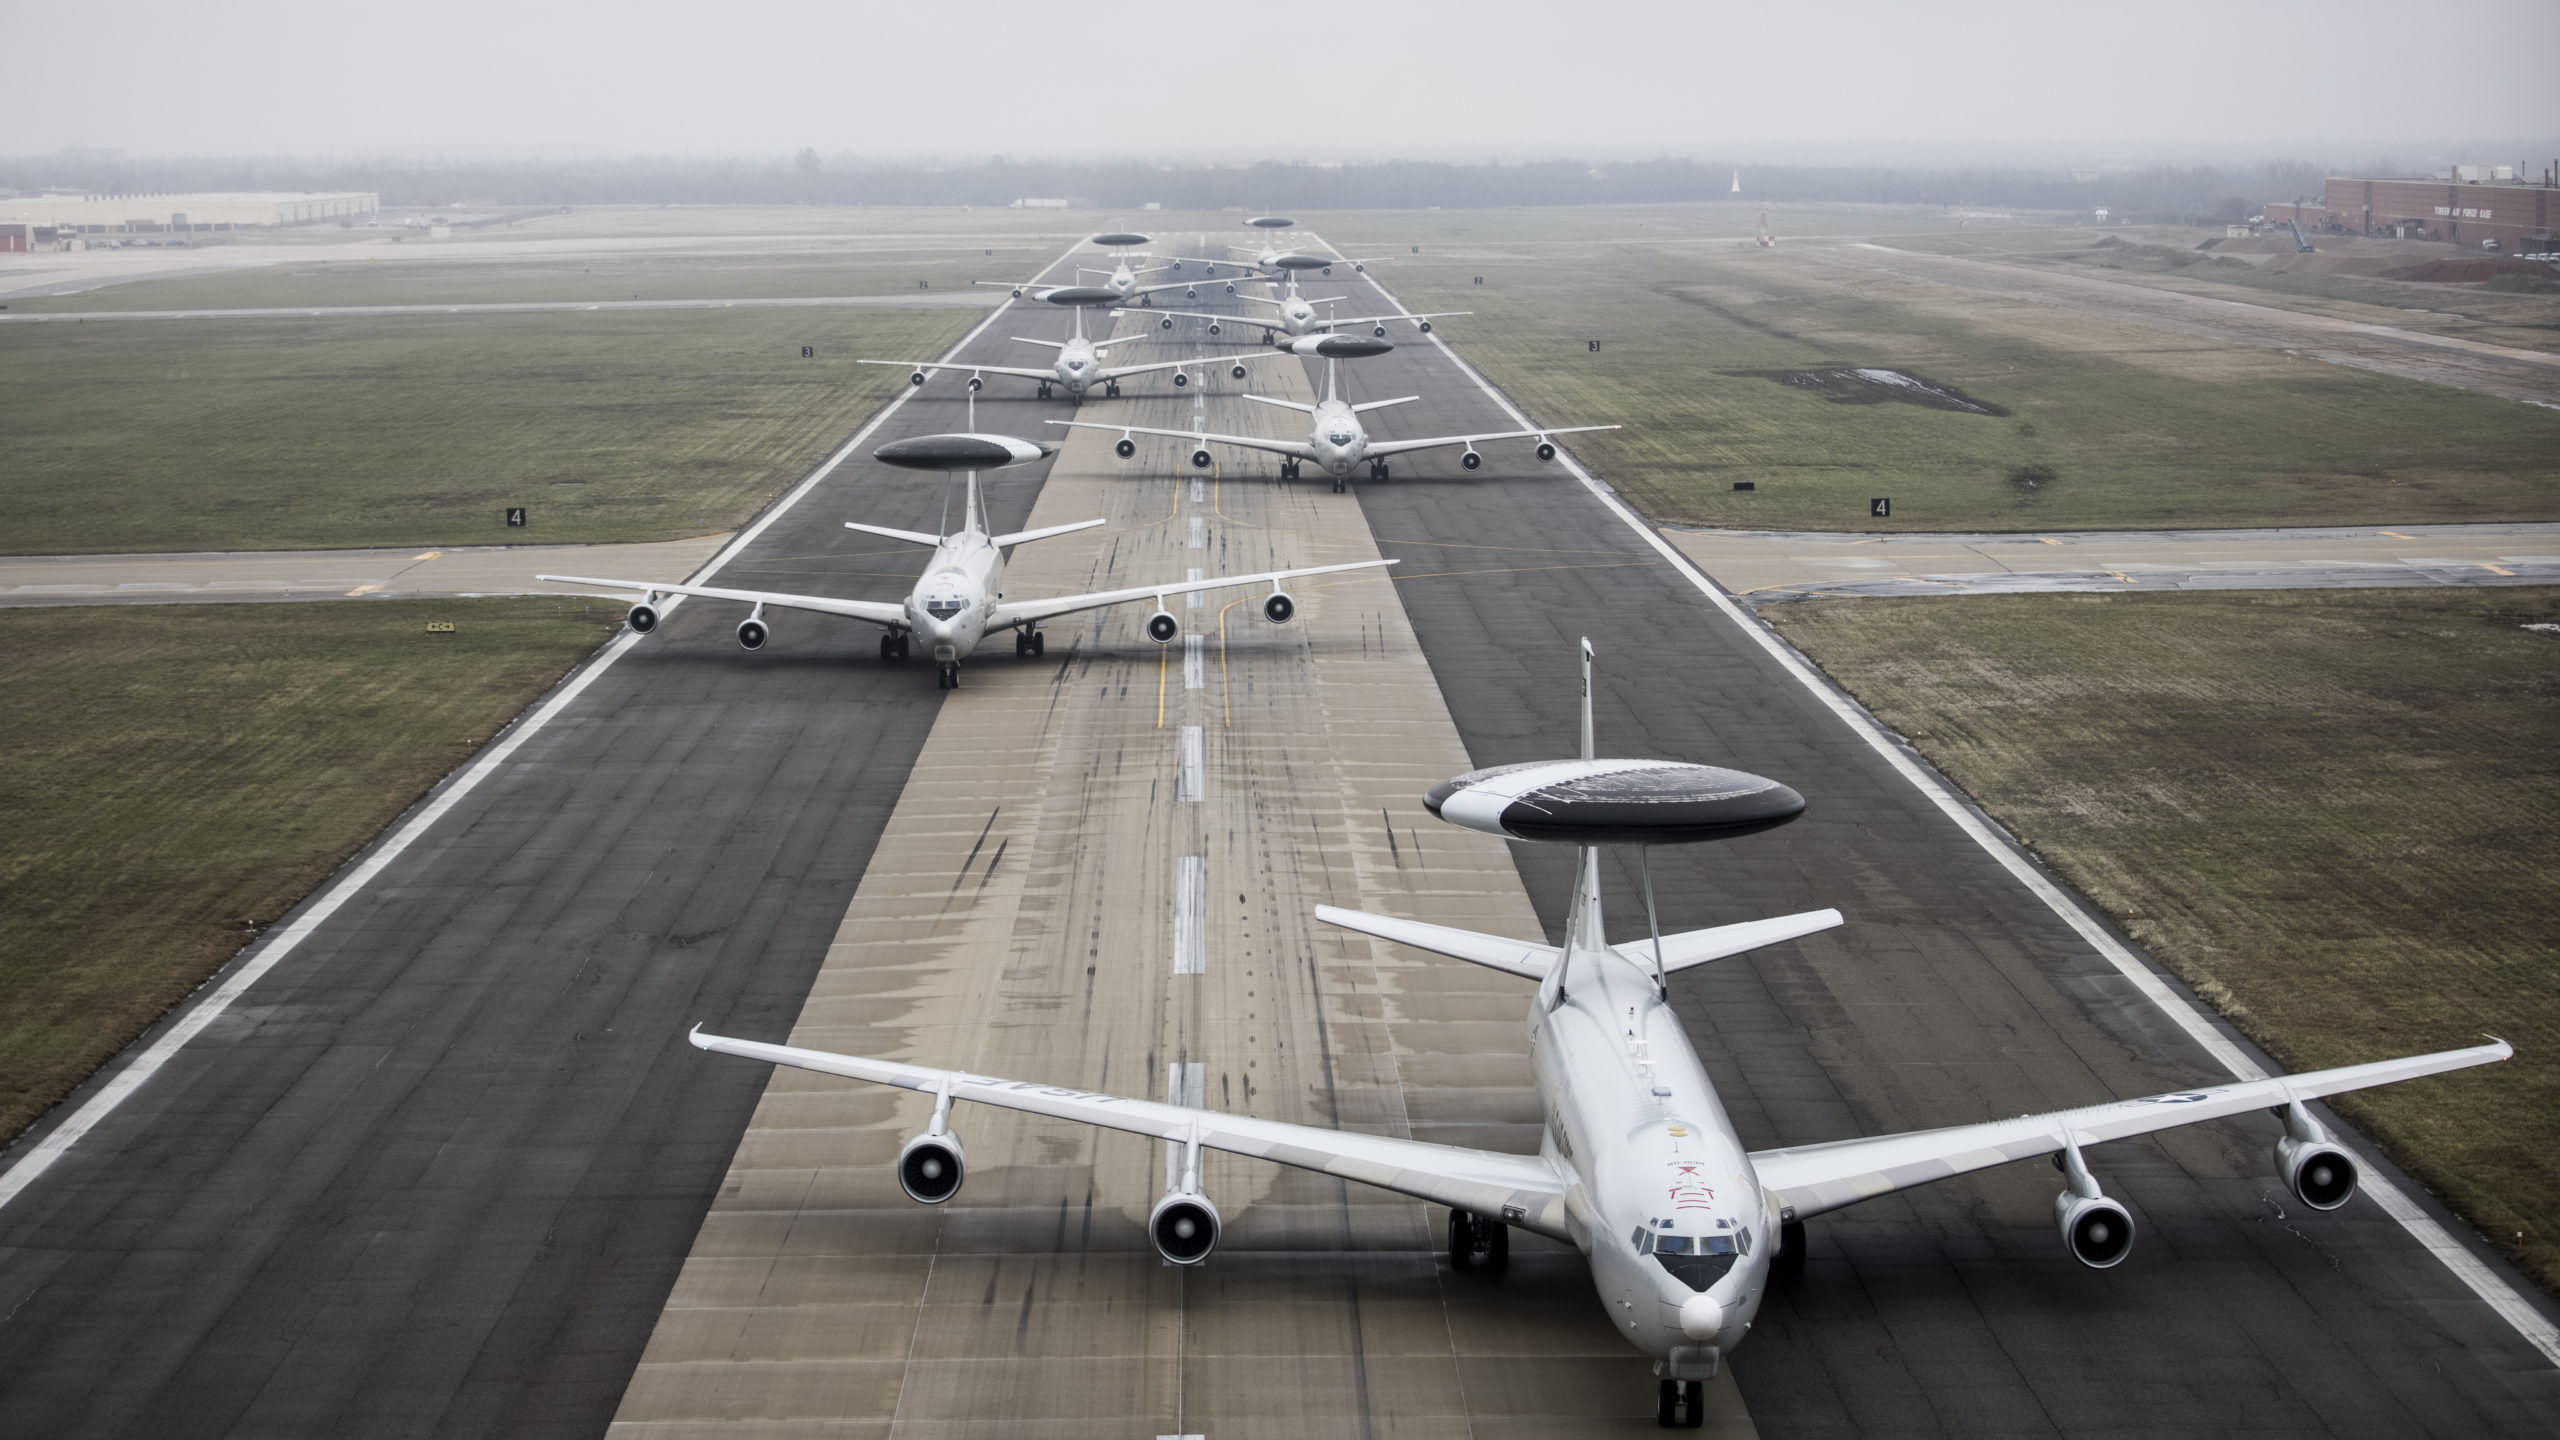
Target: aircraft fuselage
1337,438
948,608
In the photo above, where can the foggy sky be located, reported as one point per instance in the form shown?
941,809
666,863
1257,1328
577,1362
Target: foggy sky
1987,80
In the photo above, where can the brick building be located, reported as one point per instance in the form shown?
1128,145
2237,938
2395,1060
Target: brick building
2519,215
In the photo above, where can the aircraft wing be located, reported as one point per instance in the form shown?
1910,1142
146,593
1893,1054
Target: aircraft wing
1114,372
1169,285
1522,1190
1027,374
1250,321
876,611
1017,611
1816,1178
1386,319
1383,448
1296,449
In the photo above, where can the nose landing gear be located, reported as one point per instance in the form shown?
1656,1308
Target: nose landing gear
1683,1406
950,675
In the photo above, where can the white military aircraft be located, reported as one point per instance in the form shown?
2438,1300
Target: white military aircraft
1121,280
1639,1166
959,600
1079,366
1271,260
1293,315
1336,440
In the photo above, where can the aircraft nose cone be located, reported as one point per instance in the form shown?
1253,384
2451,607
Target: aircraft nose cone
1700,1317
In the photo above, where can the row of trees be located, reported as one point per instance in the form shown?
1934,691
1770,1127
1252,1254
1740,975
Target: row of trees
2160,192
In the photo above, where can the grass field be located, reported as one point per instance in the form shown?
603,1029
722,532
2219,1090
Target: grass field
411,430
2109,424
339,278
2314,284
173,778
2331,812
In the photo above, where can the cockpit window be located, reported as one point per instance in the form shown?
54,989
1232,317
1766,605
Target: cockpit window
943,607
1340,437
1696,1261
1075,364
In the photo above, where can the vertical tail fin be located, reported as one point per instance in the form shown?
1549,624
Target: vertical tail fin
975,521
1588,752
1329,363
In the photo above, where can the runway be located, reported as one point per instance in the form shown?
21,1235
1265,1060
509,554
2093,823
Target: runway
929,299
1782,565
451,1167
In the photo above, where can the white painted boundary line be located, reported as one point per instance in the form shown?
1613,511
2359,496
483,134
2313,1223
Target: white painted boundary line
138,1071
1194,764
2443,1244
1190,900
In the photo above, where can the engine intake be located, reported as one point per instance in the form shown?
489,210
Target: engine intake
752,634
1546,450
643,617
2320,1173
2097,1231
1237,371
1201,459
1181,379
1162,628
1471,460
977,383
931,1168
1124,447
1280,607
1184,1228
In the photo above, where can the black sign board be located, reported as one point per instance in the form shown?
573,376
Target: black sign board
1880,509
515,516
1746,484
1595,347
808,352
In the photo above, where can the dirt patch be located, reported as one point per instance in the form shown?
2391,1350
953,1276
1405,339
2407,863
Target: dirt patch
2471,272
2032,479
1870,385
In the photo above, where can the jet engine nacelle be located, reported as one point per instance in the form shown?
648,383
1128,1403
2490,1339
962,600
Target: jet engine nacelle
1165,324
1378,330
752,634
1017,292
1215,328
1184,1228
1231,287
977,383
1201,459
1280,607
1162,628
1237,372
643,617
915,378
931,1168
1471,460
2320,1174
1546,450
1124,447
2096,1230
1424,326
1181,379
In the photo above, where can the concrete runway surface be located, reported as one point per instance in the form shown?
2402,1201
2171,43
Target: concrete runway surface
439,1171
931,300
1782,565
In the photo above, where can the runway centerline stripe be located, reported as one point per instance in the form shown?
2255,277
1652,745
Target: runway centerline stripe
1192,600
2395,1202
1194,762
1195,675
1190,897
138,1070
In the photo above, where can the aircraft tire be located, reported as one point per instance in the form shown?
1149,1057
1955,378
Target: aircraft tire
1693,1405
1667,1410
1791,1255
1462,1241
1039,643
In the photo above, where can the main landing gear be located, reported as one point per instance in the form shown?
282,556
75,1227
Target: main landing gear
1031,643
1378,470
1111,389
950,675
1684,1405
893,646
1288,469
1474,1240
1044,389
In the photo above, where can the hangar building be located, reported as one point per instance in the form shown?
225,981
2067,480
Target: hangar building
2518,214
94,214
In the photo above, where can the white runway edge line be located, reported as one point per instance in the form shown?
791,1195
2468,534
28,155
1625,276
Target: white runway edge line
138,1070
2422,1227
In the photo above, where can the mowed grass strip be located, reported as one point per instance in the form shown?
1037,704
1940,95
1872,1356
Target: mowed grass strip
2334,813
173,778
2111,425
460,279
287,434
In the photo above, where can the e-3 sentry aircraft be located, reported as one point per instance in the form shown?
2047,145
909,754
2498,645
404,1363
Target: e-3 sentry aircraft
1270,260
1081,363
1121,280
1293,315
1638,1166
959,600
1336,440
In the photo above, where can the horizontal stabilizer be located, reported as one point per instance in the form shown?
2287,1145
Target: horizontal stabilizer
1284,404
1518,957
1367,406
912,537
1697,947
1022,537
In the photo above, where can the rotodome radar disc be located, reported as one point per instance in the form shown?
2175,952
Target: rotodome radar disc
1305,262
1614,802
961,452
1271,222
1122,237
1082,295
1340,347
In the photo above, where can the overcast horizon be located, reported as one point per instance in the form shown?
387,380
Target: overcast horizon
1990,82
